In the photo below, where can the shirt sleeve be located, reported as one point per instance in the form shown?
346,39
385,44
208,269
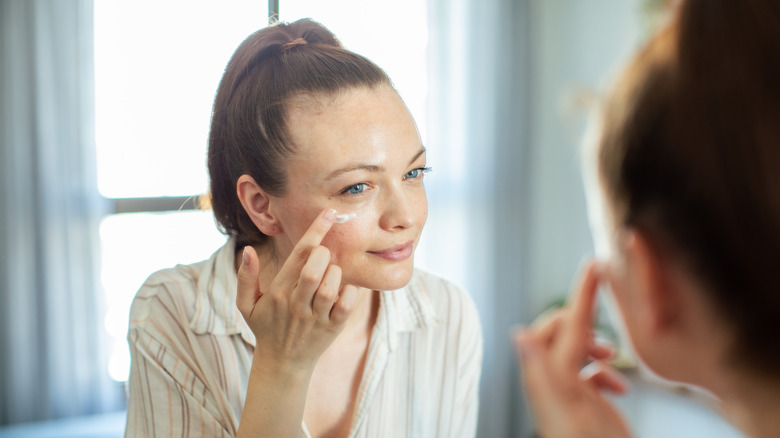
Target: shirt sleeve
167,395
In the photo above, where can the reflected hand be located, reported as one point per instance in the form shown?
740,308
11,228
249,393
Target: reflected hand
567,400
305,307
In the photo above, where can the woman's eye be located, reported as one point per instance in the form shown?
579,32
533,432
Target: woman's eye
416,173
356,189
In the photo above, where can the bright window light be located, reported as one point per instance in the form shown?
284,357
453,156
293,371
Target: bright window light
134,245
157,67
393,34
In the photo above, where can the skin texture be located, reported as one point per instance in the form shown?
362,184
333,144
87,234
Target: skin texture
309,293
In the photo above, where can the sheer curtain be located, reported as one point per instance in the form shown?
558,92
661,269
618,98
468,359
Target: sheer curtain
51,335
478,131
508,215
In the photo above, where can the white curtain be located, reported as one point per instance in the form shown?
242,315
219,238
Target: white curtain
508,215
478,132
51,304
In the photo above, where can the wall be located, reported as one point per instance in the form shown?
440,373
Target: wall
575,48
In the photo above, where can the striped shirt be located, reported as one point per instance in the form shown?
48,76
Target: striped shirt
192,352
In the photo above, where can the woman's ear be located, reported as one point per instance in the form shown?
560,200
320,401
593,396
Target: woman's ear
653,284
256,203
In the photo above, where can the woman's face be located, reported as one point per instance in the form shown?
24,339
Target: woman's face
358,152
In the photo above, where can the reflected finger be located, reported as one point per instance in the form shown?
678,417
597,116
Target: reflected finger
344,305
601,351
310,240
546,327
577,328
309,280
247,288
604,377
327,293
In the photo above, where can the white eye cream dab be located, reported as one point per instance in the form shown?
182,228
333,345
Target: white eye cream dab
346,217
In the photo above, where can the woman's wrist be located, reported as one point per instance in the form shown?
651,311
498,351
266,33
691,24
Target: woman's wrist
286,373
275,398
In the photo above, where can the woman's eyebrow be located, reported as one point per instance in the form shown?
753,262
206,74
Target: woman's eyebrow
417,155
368,167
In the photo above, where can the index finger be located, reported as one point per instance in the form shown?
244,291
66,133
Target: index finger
310,240
577,329
583,298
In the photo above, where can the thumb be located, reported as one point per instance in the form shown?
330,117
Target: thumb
248,291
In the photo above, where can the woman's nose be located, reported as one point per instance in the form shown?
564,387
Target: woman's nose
401,209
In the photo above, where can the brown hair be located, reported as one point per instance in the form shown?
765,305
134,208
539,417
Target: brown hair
249,134
690,155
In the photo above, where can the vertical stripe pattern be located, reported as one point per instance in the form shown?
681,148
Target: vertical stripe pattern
192,354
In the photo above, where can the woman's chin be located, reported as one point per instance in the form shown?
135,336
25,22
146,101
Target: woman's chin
383,279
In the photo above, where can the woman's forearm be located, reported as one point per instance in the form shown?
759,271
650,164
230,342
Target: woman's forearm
275,400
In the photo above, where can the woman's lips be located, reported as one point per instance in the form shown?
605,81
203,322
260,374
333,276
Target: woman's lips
396,253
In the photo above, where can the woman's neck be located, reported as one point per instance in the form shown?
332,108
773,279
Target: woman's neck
751,402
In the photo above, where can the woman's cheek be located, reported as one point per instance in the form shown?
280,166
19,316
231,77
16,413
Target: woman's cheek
422,207
344,239
424,210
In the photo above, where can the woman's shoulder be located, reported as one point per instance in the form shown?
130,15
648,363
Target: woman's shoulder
180,276
170,291
198,297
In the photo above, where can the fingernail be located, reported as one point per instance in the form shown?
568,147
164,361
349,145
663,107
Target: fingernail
330,216
244,257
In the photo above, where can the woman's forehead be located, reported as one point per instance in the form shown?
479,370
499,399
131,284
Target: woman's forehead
316,103
366,124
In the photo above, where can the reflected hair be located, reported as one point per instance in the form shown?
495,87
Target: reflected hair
249,132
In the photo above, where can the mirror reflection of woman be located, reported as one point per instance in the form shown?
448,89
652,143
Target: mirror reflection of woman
304,324
687,167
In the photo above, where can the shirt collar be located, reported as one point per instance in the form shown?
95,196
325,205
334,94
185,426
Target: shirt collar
405,310
215,303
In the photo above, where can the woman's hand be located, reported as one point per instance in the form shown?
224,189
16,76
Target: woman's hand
294,322
305,307
567,399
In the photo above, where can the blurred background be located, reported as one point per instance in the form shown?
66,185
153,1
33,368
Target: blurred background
104,117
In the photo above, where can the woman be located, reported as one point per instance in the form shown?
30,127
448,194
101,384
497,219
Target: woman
301,325
688,165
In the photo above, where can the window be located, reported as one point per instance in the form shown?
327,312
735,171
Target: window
393,34
157,67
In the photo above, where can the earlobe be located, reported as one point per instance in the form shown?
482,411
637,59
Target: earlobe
256,203
654,288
